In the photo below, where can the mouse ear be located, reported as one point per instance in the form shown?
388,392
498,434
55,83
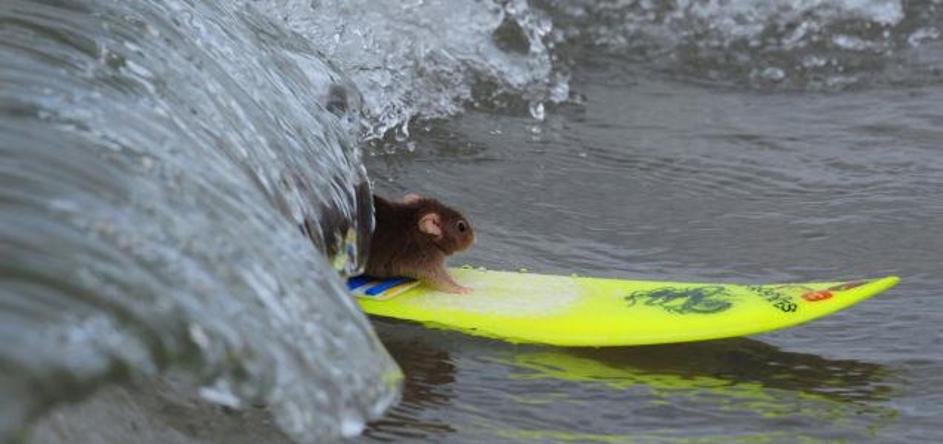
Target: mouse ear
429,224
411,198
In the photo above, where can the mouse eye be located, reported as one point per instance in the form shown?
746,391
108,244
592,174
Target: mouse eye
462,226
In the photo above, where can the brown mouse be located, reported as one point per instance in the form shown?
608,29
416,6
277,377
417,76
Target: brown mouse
412,238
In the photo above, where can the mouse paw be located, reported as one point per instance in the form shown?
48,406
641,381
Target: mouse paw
461,290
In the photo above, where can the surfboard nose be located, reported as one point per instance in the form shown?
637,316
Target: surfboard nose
875,286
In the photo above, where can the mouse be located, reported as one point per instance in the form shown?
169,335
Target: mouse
413,237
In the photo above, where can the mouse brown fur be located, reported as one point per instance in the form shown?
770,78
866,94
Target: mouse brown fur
412,238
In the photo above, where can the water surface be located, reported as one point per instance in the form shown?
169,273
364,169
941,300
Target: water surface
184,186
651,175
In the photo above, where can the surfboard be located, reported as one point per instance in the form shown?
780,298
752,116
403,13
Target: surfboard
585,311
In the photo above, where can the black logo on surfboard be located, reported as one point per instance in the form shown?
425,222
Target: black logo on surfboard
686,300
777,296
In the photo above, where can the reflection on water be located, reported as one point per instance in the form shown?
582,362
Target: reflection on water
428,387
683,390
740,363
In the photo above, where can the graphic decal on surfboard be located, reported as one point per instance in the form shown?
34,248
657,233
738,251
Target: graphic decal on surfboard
690,300
779,296
815,296
379,289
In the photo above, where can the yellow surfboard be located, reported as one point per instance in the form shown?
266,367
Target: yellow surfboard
583,311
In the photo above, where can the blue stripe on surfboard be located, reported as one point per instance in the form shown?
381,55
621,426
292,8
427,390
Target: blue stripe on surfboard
385,285
357,282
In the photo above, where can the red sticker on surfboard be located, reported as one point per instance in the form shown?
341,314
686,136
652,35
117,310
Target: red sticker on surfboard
815,296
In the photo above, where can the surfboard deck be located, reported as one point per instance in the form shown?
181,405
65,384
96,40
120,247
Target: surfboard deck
585,311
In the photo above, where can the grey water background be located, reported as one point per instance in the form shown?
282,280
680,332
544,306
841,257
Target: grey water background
159,158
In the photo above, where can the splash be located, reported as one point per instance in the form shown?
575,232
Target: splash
429,59
798,44
158,161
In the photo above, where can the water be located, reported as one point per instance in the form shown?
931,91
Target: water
153,188
676,161
159,158
712,185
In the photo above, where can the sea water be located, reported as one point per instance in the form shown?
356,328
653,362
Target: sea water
183,186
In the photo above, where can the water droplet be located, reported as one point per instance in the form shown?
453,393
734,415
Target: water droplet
402,132
220,393
352,424
773,73
199,336
537,110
